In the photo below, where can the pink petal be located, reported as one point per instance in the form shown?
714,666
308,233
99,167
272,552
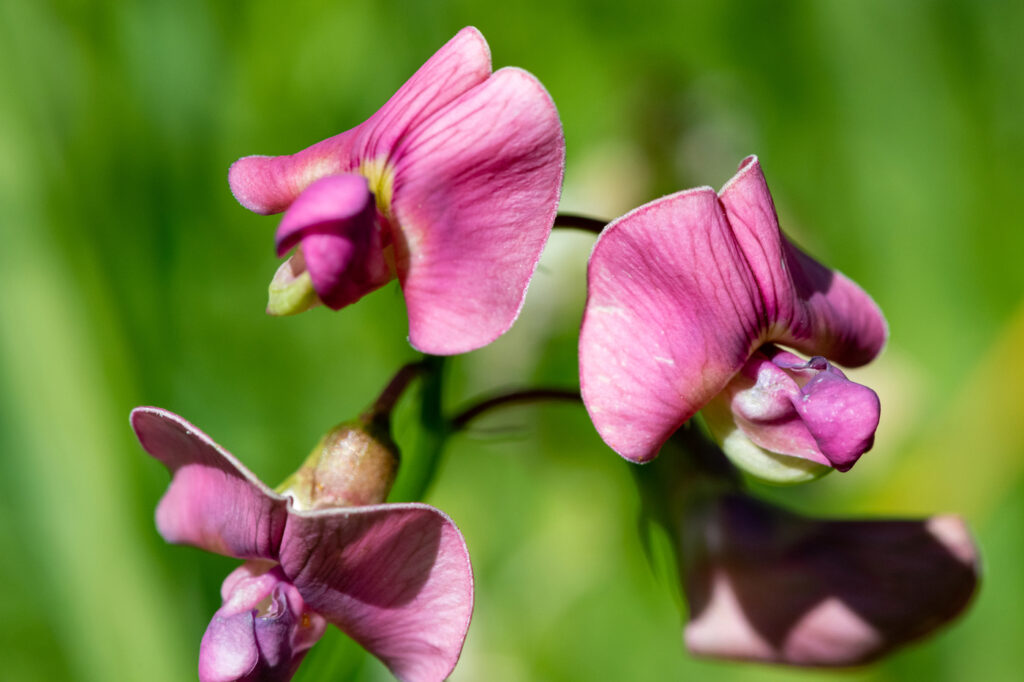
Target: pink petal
684,289
796,408
475,194
670,317
395,578
805,305
213,501
269,184
766,585
461,63
342,246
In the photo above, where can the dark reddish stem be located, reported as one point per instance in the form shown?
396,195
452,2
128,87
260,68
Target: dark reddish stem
385,403
580,222
461,420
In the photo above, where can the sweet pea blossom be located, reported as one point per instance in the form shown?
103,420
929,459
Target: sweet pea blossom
766,585
687,297
394,577
452,186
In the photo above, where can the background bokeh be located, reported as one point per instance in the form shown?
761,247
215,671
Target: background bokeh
890,134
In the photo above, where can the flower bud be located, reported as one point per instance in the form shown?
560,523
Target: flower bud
355,464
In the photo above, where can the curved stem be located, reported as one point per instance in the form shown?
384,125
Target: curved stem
461,420
381,409
580,222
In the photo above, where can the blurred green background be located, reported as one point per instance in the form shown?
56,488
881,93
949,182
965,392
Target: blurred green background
890,134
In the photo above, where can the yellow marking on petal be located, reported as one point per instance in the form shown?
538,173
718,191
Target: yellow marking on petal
381,177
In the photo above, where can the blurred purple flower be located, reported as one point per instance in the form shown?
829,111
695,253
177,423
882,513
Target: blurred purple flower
686,296
767,585
394,577
452,186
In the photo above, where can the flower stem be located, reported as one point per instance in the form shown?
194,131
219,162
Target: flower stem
380,411
461,420
421,467
580,222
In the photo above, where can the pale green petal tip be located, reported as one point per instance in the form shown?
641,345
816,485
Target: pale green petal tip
769,467
291,291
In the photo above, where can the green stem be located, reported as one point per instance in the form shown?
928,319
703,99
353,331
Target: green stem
419,470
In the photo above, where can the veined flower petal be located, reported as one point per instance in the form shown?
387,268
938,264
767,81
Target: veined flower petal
395,578
668,320
803,304
475,194
461,63
213,501
269,184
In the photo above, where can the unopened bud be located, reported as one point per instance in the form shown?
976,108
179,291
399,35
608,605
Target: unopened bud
353,465
291,291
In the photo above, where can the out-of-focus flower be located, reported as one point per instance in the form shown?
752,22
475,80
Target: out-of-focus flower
686,295
452,186
767,585
394,577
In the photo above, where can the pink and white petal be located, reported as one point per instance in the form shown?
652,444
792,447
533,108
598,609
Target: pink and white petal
461,63
396,578
771,586
759,401
805,305
213,502
269,184
670,317
475,195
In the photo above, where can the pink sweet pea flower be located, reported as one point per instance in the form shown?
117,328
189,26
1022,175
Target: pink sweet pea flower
686,297
452,186
394,577
770,586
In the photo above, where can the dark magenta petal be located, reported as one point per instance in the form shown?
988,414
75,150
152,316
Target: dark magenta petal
342,245
213,501
766,585
326,206
395,578
476,189
683,290
262,631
